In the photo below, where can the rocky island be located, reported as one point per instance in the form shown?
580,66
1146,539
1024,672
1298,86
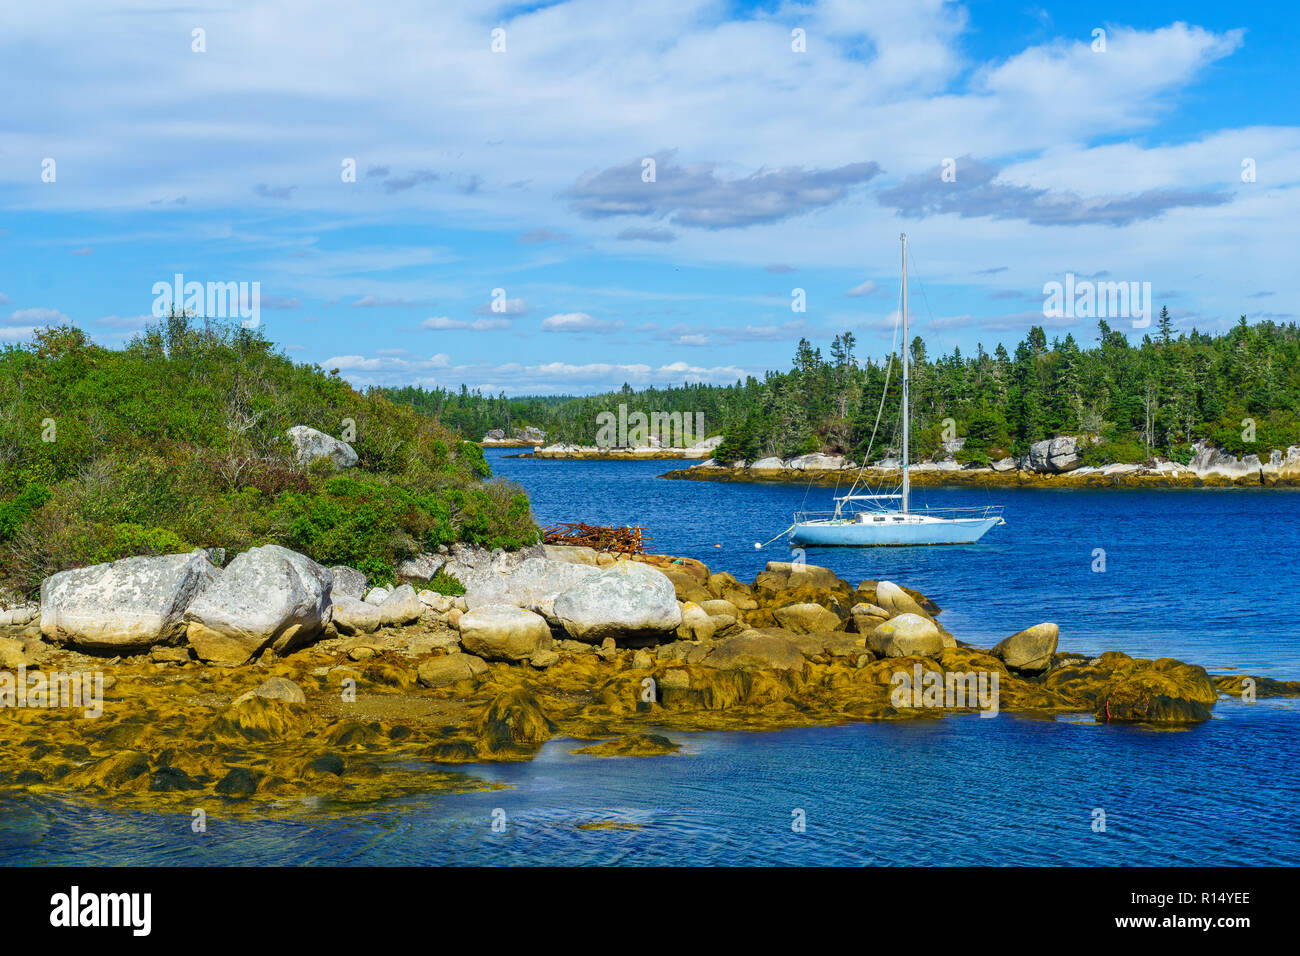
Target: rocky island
274,684
1050,463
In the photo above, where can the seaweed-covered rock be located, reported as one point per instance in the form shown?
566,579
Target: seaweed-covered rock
450,668
755,650
632,745
512,724
806,618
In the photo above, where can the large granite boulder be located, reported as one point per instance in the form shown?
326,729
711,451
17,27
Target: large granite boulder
867,617
503,632
528,580
697,624
1053,455
629,601
797,575
310,445
126,606
906,635
1029,650
755,650
268,597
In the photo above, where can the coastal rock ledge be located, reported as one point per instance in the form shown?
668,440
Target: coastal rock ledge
301,708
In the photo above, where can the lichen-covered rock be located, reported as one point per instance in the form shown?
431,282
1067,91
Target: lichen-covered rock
268,597
1029,650
1053,455
503,632
310,445
906,635
628,601
421,567
126,606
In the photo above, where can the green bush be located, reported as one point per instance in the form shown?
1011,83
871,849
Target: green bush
1112,453
178,441
14,512
444,583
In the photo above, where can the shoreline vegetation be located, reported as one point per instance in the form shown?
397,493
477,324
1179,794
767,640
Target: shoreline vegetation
381,693
1162,399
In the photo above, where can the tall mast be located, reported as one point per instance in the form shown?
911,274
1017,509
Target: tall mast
906,348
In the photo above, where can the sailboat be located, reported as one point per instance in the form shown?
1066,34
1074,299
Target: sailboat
868,520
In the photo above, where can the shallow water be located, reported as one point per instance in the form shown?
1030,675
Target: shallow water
1206,576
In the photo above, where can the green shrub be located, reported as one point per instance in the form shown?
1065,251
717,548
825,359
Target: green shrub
1112,453
444,583
17,510
178,441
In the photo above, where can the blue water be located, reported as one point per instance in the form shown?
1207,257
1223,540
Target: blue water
1204,576
1209,576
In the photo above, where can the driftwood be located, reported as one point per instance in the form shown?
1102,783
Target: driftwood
600,538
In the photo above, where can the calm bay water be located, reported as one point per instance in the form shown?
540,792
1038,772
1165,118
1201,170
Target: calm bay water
1206,576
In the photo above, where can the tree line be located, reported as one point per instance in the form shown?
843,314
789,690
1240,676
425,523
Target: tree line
1238,390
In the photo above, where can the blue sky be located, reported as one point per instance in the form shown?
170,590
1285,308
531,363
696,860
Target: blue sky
521,171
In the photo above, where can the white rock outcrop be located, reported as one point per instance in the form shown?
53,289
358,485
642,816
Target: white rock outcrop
310,444
268,597
627,601
125,606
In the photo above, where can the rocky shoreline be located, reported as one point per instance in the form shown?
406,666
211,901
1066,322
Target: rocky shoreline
652,450
276,686
1053,463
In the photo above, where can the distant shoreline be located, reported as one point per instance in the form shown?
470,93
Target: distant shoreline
1137,477
620,454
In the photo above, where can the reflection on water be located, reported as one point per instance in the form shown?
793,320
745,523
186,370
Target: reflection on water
963,790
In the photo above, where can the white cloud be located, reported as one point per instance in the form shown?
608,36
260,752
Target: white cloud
39,317
579,322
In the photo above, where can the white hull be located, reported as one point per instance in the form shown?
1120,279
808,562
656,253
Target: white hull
891,528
